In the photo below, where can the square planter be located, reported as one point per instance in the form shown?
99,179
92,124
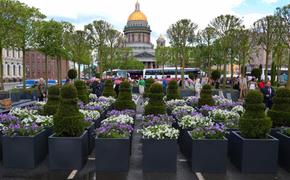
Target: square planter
91,138
209,155
112,154
284,150
254,155
228,135
185,142
159,155
68,153
24,152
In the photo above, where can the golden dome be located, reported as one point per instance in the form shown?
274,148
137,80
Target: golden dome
137,16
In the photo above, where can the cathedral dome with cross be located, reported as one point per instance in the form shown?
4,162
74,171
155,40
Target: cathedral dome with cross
138,37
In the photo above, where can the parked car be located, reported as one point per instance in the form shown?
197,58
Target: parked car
29,83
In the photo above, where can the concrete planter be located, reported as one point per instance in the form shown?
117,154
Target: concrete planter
254,155
68,153
159,155
112,155
209,155
284,150
24,152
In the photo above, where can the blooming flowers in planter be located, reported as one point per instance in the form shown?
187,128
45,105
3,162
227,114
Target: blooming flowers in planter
214,131
229,118
152,120
159,132
90,115
238,109
114,130
194,121
122,119
174,103
111,100
181,111
129,112
219,100
285,130
22,113
93,97
22,129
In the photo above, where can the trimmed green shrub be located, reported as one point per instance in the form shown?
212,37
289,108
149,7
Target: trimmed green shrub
206,96
53,99
172,91
215,75
83,93
280,112
72,73
68,121
156,104
191,76
124,100
256,72
254,124
108,89
148,83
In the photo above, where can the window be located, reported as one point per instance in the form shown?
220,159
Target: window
19,54
8,70
14,70
7,52
19,70
13,52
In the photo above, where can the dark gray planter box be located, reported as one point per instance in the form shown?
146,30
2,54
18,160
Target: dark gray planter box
254,155
228,135
68,153
159,155
112,155
91,138
209,155
24,152
15,96
284,150
185,142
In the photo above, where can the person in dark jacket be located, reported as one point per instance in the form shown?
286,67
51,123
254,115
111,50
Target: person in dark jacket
269,93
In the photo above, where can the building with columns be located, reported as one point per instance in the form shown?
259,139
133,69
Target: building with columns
138,37
12,65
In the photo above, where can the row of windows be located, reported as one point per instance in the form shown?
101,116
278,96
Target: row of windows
15,53
8,66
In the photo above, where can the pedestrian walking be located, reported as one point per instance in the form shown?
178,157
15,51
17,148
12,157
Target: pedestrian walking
269,93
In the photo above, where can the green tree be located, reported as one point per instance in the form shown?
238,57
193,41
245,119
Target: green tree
9,35
48,40
207,38
24,32
264,34
223,25
97,35
162,56
181,35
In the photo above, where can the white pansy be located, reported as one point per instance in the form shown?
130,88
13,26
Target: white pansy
159,132
123,119
195,121
90,114
93,96
238,109
174,103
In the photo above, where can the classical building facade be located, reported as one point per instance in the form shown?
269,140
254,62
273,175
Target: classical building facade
35,66
12,65
138,37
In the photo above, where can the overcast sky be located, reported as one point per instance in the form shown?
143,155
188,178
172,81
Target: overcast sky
160,13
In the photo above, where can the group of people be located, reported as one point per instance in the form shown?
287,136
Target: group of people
265,87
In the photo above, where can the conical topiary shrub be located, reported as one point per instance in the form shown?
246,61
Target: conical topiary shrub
156,104
254,124
172,91
68,121
148,83
83,94
53,99
206,96
72,74
280,112
108,89
124,100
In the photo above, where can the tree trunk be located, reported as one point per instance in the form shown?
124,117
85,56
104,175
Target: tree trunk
288,82
23,69
225,71
74,65
46,72
232,70
266,66
242,69
182,70
1,69
60,72
79,71
58,69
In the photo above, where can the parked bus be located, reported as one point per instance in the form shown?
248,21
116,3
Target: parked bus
170,72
